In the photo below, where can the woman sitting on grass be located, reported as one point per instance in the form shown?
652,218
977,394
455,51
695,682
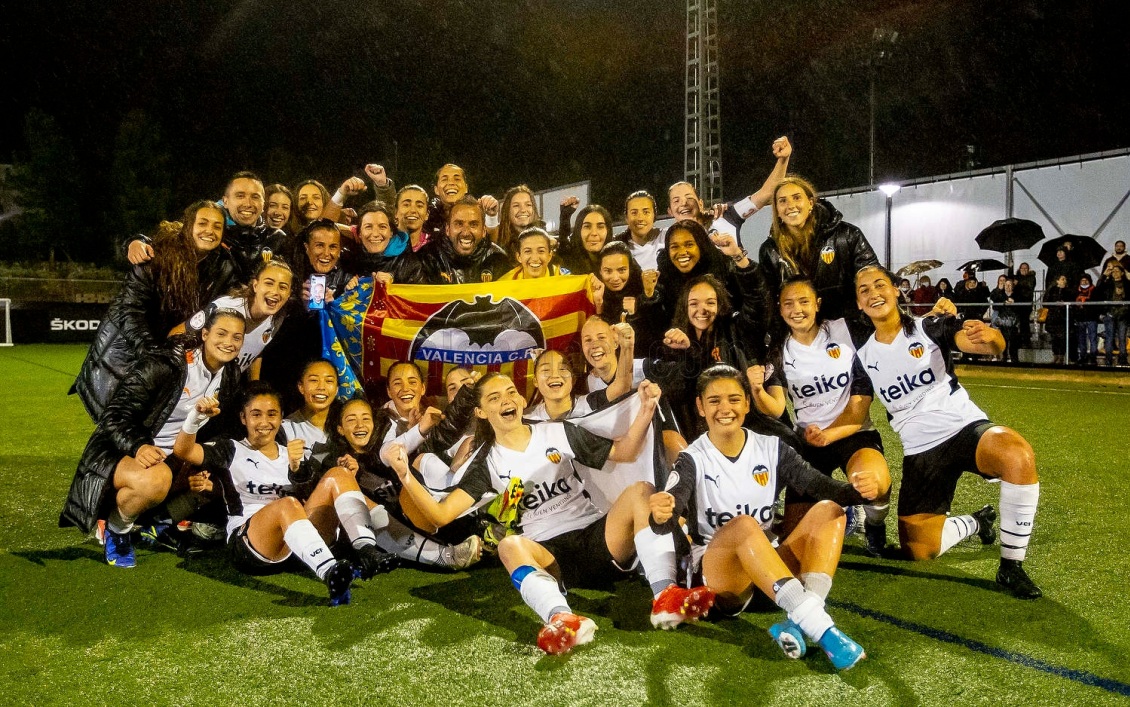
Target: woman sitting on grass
726,484
128,452
266,525
565,539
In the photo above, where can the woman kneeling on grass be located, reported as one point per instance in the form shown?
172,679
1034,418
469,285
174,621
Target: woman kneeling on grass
565,539
943,432
265,525
726,484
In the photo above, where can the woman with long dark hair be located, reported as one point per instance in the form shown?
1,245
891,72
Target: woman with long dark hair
188,269
580,249
126,467
943,433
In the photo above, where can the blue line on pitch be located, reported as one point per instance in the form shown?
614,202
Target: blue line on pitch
1081,676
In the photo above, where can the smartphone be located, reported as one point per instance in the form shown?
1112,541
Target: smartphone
317,291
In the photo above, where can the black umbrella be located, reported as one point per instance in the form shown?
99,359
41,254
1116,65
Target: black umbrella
1085,251
983,265
1010,234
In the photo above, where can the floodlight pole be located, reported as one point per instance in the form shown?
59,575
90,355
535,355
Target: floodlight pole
702,153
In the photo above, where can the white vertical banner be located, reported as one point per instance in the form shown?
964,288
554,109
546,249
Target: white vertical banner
548,202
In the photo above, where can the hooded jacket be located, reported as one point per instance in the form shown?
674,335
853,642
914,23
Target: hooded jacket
839,250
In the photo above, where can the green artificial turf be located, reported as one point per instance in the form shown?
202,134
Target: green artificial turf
176,631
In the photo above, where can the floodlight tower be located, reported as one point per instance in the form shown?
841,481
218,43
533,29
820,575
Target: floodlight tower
702,165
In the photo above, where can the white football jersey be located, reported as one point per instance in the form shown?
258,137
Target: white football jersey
554,501
818,376
198,383
247,479
647,255
725,489
914,379
254,341
298,426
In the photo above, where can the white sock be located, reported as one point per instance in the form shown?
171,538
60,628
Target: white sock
353,514
657,557
393,536
120,523
956,529
818,583
540,591
876,514
804,608
304,541
1018,516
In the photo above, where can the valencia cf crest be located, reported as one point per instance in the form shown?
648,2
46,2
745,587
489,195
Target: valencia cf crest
916,349
553,455
828,254
479,333
761,474
267,336
833,349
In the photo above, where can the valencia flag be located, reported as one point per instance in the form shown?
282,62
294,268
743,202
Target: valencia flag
492,326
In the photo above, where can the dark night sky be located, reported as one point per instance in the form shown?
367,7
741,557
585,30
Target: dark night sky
550,92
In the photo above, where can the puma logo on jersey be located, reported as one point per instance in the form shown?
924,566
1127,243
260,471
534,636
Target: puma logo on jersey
906,384
820,385
873,366
253,462
833,349
916,349
711,479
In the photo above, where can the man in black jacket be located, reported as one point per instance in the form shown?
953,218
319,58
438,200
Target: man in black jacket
465,255
246,234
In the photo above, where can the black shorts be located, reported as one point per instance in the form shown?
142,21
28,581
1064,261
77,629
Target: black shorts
245,559
929,478
835,456
583,558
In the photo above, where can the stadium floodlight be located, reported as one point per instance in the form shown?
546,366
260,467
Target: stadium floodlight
889,189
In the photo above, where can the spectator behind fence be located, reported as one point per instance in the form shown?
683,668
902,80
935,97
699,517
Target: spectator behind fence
923,297
943,289
1112,288
1063,265
1085,320
1024,291
1121,255
1006,317
1056,322
972,292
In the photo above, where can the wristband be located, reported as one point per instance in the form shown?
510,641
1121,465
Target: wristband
338,198
194,422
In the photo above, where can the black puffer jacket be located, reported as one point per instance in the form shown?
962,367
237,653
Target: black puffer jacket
838,251
439,264
250,244
135,323
141,405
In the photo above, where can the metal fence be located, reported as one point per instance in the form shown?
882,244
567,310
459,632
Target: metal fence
1039,342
